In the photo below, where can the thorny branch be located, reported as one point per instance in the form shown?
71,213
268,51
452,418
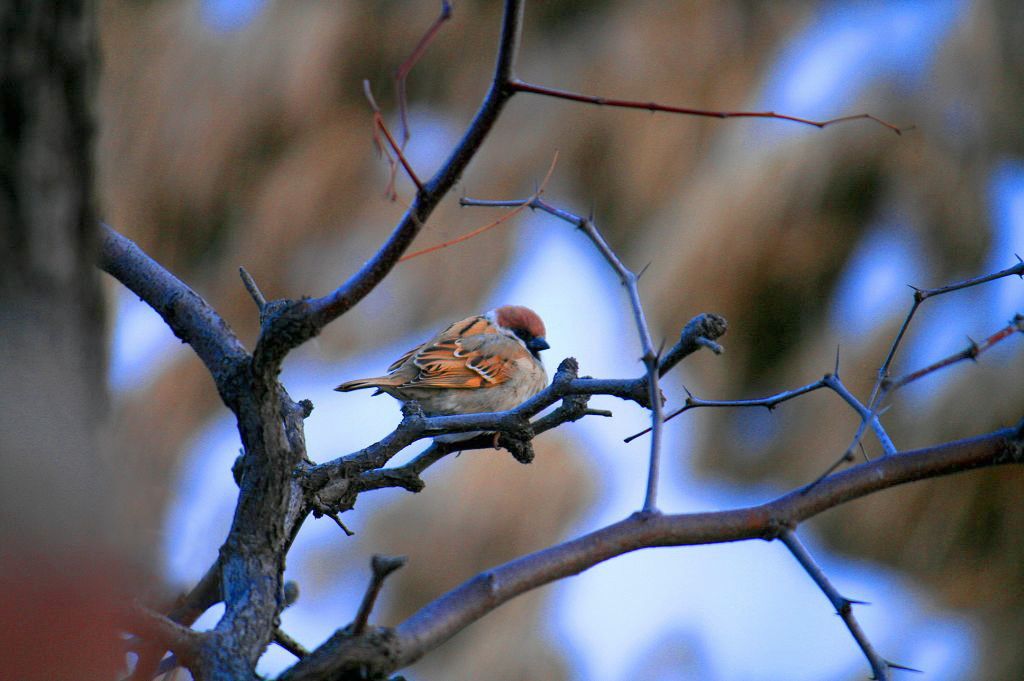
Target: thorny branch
844,606
921,295
522,86
379,126
830,381
885,386
491,225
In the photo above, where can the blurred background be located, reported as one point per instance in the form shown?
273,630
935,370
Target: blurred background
235,132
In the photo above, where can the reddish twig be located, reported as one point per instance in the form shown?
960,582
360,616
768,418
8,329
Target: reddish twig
491,225
381,126
522,86
921,295
970,352
406,66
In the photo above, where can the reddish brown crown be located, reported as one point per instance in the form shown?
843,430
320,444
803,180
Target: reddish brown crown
519,317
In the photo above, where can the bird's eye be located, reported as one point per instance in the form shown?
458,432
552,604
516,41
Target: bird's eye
522,334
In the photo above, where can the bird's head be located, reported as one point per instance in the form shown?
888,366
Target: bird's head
524,324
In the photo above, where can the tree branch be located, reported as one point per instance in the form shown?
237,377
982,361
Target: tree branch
406,66
155,628
441,619
189,316
921,295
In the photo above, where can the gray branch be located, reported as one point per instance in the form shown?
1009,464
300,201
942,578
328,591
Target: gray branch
186,313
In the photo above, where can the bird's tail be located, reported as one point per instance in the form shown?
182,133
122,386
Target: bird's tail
361,383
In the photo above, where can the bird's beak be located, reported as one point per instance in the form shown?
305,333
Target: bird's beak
537,344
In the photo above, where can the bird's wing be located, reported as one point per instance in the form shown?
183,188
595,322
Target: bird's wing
469,362
468,354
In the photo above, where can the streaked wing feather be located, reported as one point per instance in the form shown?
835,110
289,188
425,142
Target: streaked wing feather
461,363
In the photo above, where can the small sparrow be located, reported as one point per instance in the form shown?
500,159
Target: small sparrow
490,362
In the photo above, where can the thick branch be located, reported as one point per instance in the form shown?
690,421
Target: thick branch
189,316
154,627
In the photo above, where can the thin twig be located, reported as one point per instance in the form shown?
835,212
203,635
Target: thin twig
971,352
830,381
379,124
867,416
921,295
480,230
847,455
768,403
522,86
253,289
337,520
381,567
844,606
406,66
290,644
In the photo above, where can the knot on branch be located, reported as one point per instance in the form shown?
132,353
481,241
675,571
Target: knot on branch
238,469
568,370
402,477
291,593
329,488
517,445
709,325
1013,452
412,415
369,656
775,528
